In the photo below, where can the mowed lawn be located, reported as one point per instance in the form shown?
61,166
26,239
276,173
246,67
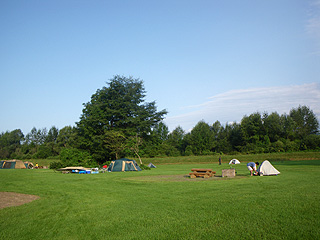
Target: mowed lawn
163,203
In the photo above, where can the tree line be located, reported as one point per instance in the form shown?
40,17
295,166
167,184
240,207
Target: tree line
117,122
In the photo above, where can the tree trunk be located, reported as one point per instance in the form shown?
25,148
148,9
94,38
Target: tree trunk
138,156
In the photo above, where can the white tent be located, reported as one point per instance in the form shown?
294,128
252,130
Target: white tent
150,165
267,169
234,161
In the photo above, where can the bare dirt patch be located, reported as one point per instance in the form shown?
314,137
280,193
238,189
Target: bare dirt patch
11,199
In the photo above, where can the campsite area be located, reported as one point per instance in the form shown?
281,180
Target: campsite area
164,203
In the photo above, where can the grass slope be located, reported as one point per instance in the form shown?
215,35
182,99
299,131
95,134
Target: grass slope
164,204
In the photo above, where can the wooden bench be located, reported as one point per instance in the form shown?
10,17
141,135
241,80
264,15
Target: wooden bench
201,172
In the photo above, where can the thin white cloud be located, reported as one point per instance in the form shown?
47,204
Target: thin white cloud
313,25
231,106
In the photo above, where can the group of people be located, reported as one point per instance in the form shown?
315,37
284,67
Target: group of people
252,167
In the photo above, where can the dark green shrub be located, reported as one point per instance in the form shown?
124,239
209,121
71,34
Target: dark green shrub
312,142
106,163
43,152
76,157
56,165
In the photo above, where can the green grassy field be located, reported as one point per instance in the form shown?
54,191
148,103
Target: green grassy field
163,203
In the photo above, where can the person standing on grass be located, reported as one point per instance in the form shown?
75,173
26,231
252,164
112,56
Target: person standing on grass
252,167
219,160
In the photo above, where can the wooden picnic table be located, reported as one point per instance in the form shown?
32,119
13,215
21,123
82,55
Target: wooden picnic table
201,172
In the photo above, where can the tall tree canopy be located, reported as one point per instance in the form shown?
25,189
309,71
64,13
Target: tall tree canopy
9,142
201,138
305,120
118,107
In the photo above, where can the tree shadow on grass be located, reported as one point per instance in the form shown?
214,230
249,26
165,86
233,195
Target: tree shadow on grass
297,163
180,178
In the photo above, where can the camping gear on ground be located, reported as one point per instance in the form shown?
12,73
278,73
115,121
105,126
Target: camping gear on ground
94,170
266,169
123,165
234,161
80,170
73,168
12,164
150,165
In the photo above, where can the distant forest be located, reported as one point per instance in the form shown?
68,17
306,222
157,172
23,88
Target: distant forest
118,123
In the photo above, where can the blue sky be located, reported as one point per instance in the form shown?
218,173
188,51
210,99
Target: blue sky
200,60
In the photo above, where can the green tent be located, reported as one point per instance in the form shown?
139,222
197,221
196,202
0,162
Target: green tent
12,164
123,165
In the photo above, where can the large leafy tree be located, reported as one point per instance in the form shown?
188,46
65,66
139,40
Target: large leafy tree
273,127
201,138
51,141
235,136
175,139
52,135
252,127
118,107
159,133
217,128
305,121
155,143
10,142
36,136
67,137
222,144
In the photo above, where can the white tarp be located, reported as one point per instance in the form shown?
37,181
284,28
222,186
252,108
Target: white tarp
267,169
234,161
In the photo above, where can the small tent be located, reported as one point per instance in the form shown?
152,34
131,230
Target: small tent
234,161
123,165
267,169
150,165
12,164
29,165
